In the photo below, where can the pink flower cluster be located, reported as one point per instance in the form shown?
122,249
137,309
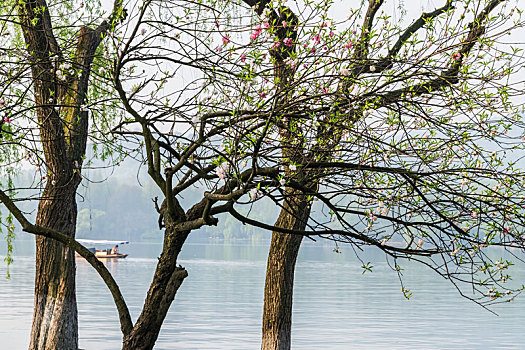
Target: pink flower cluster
456,56
258,30
6,119
222,170
256,33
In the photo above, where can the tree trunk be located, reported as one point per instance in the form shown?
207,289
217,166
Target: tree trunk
63,133
278,289
55,324
166,282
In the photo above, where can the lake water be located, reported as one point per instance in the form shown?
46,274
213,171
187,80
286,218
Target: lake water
219,304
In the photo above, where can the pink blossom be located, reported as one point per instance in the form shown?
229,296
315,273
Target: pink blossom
266,25
317,38
287,41
284,24
220,173
256,32
243,57
7,120
255,194
225,40
263,94
456,56
291,62
276,44
331,34
222,170
2,103
349,45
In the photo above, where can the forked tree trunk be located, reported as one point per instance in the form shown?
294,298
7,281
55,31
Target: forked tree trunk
278,289
55,324
63,133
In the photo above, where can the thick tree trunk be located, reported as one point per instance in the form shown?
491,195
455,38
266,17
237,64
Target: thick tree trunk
55,324
63,132
278,289
166,282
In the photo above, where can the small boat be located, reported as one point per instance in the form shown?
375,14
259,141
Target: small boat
108,253
103,254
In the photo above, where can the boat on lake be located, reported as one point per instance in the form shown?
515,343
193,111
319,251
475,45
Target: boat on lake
103,253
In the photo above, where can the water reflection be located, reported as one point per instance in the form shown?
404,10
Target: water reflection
219,305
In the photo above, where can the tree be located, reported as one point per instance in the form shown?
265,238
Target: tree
380,126
386,71
47,56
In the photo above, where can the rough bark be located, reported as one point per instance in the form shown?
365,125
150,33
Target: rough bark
167,279
166,282
55,324
278,289
63,133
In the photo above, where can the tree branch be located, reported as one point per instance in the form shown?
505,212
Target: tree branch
126,325
361,51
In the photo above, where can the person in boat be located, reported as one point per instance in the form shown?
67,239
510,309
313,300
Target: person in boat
114,250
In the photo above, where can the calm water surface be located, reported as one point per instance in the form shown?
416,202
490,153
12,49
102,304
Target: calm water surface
219,304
